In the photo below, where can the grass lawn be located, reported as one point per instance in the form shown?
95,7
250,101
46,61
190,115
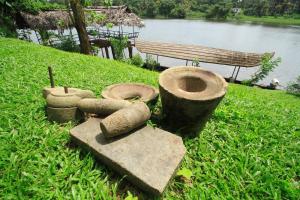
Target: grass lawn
250,149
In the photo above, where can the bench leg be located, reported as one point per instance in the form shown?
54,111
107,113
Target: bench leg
237,73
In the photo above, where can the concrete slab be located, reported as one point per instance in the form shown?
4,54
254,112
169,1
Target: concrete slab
148,156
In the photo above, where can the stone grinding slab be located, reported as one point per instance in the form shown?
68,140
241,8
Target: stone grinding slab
149,157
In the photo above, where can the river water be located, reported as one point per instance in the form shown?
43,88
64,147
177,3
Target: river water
284,41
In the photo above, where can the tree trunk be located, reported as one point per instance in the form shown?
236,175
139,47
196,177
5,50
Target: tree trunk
79,21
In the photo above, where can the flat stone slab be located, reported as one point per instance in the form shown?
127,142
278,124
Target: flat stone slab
149,157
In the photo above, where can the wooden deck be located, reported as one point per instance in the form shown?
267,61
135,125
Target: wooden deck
201,53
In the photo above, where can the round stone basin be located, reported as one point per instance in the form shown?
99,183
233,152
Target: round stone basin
189,95
131,91
60,90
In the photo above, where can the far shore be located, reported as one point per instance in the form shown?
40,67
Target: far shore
265,20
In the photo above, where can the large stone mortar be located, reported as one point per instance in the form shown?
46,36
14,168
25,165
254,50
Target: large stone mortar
189,96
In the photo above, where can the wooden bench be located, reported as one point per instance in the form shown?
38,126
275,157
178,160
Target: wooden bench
202,54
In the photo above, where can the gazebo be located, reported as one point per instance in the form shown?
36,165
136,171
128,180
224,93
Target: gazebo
62,19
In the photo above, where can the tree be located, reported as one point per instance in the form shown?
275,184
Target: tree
79,21
166,6
178,12
151,9
218,11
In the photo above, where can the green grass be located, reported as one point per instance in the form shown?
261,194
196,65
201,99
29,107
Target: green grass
250,149
270,20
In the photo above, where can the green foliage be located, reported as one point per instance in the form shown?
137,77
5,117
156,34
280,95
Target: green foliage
92,17
31,6
109,25
130,196
166,6
212,9
186,173
7,27
178,12
67,43
45,36
108,3
267,65
95,50
137,60
119,44
196,62
294,87
248,150
218,11
151,9
151,63
270,7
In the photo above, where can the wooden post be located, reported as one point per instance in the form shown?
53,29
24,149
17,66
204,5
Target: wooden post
51,77
130,51
66,89
113,52
102,52
106,52
237,73
232,75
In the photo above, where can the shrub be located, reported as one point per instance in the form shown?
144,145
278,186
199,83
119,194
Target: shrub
267,65
294,87
196,62
151,63
119,44
7,27
137,60
67,44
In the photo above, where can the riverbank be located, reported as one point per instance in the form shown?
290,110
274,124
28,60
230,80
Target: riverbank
267,20
247,150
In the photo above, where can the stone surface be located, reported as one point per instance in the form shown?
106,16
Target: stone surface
102,106
64,115
60,90
131,91
125,120
61,106
62,100
148,156
189,95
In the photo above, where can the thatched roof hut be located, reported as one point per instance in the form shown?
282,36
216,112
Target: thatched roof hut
55,19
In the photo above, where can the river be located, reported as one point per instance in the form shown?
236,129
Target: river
284,41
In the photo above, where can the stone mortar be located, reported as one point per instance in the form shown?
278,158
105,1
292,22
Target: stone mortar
189,96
